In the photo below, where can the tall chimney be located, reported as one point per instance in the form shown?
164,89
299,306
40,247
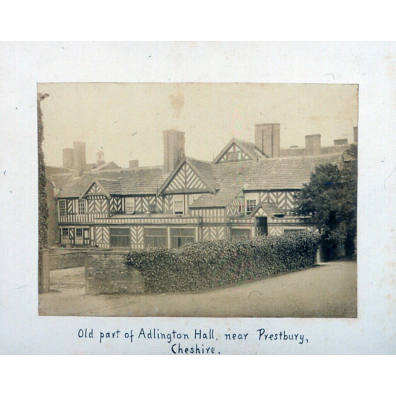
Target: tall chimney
133,164
267,139
340,142
312,144
100,158
355,134
174,152
68,158
79,160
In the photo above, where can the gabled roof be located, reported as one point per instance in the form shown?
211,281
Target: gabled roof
224,180
250,148
219,200
289,173
247,147
106,165
203,170
139,181
100,184
269,209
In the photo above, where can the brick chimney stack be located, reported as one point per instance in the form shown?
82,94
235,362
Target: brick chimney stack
312,144
133,164
79,160
68,158
267,139
174,149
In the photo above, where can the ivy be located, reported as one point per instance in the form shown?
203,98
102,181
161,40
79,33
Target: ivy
213,264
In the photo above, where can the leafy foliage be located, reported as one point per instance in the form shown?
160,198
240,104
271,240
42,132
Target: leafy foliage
331,199
43,207
218,263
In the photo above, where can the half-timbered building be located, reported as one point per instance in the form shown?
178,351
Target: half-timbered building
248,189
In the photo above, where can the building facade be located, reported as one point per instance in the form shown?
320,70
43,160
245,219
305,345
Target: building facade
247,190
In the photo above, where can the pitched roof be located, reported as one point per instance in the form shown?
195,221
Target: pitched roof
56,170
139,181
203,169
269,208
289,173
105,186
75,186
300,151
218,200
225,179
249,148
106,165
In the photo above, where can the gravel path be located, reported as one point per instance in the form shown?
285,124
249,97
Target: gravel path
328,290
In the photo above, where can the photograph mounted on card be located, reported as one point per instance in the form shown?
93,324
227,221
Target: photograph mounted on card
198,200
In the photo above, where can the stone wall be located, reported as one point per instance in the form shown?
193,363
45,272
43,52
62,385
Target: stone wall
106,273
67,258
44,271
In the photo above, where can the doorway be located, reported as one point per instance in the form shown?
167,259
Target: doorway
82,236
262,225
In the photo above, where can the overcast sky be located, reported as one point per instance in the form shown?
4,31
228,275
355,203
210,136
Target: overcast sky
127,120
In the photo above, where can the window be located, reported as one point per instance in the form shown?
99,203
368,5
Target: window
178,205
62,208
119,237
129,205
79,232
81,206
181,236
65,232
250,205
155,237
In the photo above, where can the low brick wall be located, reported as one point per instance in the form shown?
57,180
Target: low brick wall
106,273
67,258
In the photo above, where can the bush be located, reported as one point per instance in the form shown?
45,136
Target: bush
217,263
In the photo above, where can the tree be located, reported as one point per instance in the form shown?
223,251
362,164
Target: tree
330,198
43,207
42,201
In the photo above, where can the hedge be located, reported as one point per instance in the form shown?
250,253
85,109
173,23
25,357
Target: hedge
212,264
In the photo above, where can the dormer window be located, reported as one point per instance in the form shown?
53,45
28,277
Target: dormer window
178,205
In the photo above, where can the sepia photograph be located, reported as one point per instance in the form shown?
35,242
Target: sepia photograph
207,200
